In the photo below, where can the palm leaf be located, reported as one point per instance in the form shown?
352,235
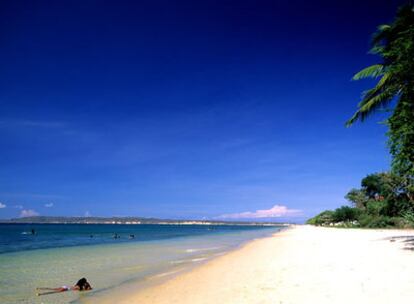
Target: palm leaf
383,33
379,100
368,105
384,27
384,83
377,49
371,71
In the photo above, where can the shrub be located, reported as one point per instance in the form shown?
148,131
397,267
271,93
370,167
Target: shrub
323,218
408,220
376,208
398,206
345,214
373,221
358,198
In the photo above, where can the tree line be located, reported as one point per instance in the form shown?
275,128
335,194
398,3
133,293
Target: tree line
386,199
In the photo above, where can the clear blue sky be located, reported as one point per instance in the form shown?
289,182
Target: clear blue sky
181,109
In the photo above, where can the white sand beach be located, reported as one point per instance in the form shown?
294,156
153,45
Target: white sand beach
303,264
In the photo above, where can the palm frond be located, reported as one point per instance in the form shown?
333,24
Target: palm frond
371,71
368,105
383,84
384,27
377,49
381,34
373,103
352,120
392,42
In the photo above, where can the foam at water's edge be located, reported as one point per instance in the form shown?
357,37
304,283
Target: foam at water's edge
201,249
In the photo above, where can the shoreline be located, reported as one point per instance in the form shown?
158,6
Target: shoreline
127,290
302,264
42,260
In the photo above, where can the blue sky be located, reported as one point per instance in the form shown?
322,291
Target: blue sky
182,109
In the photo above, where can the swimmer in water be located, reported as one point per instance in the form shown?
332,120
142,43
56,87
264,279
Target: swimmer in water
81,285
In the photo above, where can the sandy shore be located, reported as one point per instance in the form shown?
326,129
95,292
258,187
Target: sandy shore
301,265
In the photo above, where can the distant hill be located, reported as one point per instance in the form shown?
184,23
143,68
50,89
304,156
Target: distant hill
125,220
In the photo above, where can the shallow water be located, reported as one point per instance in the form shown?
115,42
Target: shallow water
61,254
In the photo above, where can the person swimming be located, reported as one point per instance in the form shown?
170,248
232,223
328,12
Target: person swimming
81,285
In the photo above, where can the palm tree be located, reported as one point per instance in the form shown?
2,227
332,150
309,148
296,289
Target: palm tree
394,43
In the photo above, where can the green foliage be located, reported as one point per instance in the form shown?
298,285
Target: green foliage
373,185
323,218
401,138
388,192
382,201
409,216
372,71
398,206
369,221
394,43
376,208
382,185
358,198
342,214
386,199
345,214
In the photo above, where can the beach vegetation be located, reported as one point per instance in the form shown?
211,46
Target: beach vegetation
358,198
345,214
394,90
386,199
322,219
409,218
382,201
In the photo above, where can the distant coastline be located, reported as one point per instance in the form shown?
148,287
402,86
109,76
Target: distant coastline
127,221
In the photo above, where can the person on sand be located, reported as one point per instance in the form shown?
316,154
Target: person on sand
81,285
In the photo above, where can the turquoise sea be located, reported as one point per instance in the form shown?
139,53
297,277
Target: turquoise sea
60,254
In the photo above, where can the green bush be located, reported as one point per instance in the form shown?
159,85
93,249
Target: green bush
408,220
323,218
345,214
376,208
398,207
373,221
384,200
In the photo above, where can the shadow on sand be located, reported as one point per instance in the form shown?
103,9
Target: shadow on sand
406,240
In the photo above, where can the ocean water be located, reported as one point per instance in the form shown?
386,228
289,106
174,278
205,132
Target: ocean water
59,255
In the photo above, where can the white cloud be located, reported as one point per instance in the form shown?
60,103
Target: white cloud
18,206
49,205
2,205
28,212
275,211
